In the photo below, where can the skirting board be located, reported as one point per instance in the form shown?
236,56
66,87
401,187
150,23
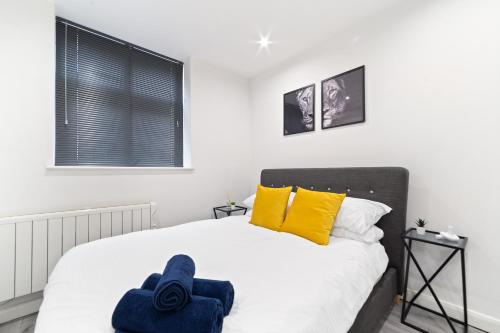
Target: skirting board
476,319
20,307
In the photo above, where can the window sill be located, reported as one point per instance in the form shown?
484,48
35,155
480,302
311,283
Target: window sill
111,168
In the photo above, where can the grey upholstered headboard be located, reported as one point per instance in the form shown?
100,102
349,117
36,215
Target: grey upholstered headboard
383,184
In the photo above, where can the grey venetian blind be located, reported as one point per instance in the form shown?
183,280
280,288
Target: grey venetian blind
116,104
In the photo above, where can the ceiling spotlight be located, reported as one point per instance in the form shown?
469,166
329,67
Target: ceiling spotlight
264,42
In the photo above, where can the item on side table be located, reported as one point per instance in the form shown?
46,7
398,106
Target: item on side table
421,223
448,235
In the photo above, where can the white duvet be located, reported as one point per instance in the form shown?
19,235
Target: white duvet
283,283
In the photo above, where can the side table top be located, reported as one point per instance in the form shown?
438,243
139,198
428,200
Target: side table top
228,209
430,237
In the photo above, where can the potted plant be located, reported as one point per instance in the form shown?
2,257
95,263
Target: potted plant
231,204
421,226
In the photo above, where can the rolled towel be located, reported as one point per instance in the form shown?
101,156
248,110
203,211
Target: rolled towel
135,312
222,290
175,288
152,280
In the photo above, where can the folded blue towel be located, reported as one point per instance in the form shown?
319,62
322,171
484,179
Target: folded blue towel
222,290
135,312
175,288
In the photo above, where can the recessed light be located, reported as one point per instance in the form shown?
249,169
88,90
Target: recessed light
264,42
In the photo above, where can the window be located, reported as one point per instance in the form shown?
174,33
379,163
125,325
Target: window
116,104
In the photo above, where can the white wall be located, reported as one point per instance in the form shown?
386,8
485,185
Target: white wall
219,122
432,84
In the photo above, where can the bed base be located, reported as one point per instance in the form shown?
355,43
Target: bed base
379,304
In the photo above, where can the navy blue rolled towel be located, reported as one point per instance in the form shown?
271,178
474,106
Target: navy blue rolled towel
222,290
151,281
135,312
175,288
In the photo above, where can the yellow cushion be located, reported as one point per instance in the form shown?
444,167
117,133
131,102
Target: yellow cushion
312,215
270,206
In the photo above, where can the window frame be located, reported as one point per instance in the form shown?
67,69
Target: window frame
186,149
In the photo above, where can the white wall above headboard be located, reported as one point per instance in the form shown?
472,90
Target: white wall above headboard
31,245
431,106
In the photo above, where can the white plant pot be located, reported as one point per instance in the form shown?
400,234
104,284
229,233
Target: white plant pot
421,230
233,206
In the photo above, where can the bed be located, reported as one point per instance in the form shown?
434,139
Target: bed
283,283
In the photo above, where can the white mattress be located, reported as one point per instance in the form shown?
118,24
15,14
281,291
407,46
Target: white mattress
283,283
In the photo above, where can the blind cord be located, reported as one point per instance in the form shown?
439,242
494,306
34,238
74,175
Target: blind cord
65,75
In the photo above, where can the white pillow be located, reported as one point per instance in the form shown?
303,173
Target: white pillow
358,215
372,235
249,201
290,199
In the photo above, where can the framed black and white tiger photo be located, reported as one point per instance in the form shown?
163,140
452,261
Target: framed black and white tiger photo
298,110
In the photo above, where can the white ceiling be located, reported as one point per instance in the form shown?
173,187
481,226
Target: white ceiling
223,32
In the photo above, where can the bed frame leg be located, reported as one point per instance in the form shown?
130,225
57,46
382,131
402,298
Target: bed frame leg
397,299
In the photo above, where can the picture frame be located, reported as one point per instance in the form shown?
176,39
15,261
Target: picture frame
343,99
299,110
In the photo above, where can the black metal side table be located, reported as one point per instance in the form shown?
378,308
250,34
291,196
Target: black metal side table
429,237
228,210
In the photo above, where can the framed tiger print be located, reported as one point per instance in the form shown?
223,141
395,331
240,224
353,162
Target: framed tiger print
298,110
343,99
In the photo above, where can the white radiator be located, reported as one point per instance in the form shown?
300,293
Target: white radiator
31,245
